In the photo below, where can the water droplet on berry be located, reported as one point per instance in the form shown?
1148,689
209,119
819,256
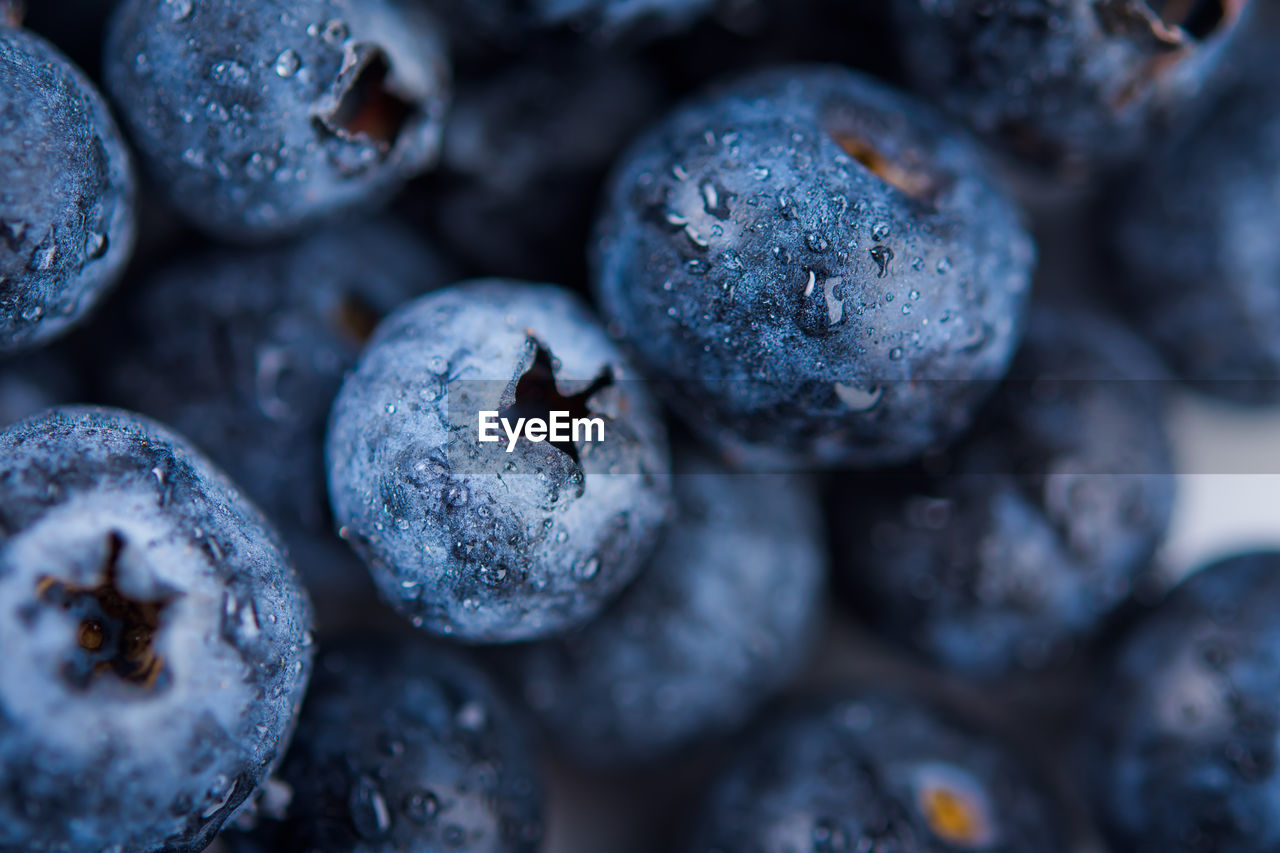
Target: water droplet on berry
95,244
288,63
336,32
421,806
368,808
858,399
179,10
472,716
587,569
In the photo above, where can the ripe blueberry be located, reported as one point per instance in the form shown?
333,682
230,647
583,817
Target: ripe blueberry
155,639
467,538
259,119
404,747
1190,241
1065,86
1186,730
1048,516
818,267
66,193
868,772
723,616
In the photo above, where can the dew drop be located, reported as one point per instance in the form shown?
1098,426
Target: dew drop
368,808
858,399
179,10
95,244
587,570
336,32
288,63
421,806
471,716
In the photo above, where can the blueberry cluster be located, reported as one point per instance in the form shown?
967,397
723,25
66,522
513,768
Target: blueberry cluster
722,426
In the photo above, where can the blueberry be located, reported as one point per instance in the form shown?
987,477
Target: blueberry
1192,253
1186,731
1049,516
436,762
243,351
258,120
66,193
818,267
156,640
1065,86
524,153
871,772
495,541
723,617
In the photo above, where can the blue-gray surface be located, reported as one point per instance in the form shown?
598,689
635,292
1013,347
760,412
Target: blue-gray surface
66,193
464,538
156,641
819,267
259,119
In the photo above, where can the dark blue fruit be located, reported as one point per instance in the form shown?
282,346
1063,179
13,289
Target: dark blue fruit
66,193
876,773
500,541
1187,729
1045,521
818,267
404,748
1065,85
1193,257
243,352
156,641
723,616
259,119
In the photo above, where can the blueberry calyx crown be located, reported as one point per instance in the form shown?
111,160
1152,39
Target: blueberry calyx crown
915,183
367,106
116,633
537,394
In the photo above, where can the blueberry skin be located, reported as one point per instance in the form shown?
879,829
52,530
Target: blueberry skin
1047,520
1186,730
802,308
66,193
466,539
243,351
724,615
1190,240
110,519
1064,87
872,772
258,121
438,761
